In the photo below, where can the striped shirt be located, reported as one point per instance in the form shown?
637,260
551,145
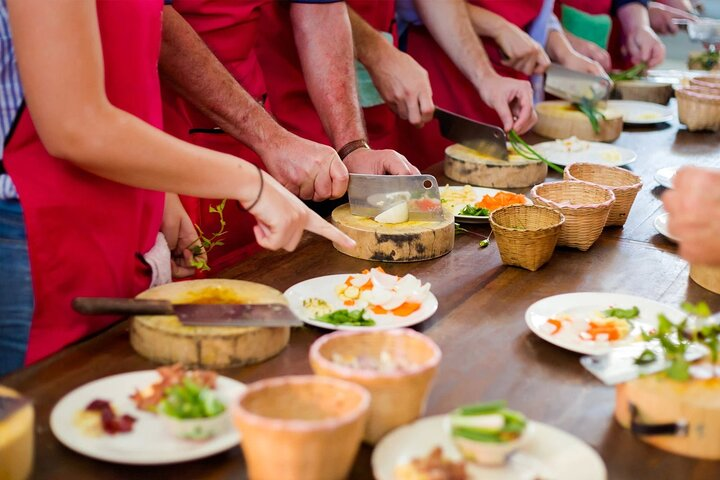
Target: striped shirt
11,95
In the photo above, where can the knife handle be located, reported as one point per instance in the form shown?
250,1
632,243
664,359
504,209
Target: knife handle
121,306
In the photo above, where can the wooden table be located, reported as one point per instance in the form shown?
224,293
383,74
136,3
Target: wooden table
488,351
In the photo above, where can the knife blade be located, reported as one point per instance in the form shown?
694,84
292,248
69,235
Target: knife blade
484,138
576,86
193,314
370,195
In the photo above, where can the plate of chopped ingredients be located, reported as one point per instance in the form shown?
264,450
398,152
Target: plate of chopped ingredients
150,417
594,323
370,300
474,204
484,442
571,150
641,113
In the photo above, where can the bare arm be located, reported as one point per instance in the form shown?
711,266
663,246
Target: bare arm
60,59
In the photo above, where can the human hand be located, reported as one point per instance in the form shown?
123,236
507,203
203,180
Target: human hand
694,208
590,50
524,54
644,46
684,5
581,63
379,162
282,218
661,17
512,100
307,169
181,237
404,85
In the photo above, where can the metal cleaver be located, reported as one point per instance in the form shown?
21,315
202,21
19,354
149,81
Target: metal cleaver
484,138
576,86
193,314
370,195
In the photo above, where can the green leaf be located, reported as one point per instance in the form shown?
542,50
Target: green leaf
347,317
646,357
632,73
526,151
473,211
481,408
700,309
627,313
679,370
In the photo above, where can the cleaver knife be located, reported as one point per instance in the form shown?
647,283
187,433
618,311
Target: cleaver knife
370,195
484,138
192,314
576,86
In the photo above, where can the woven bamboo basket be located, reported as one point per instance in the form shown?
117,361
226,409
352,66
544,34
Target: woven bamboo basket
707,81
585,205
526,235
699,108
623,183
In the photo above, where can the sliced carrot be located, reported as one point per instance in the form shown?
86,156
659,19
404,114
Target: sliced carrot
349,280
557,324
367,286
349,303
406,309
378,310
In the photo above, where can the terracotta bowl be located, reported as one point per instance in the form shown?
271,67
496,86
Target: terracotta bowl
301,427
398,395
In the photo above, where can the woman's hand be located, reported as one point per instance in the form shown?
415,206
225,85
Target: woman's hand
524,54
181,237
282,218
590,50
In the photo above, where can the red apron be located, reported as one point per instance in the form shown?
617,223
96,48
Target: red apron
287,91
599,7
451,90
230,29
84,232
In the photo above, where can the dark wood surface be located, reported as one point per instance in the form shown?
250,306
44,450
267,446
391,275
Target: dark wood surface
488,351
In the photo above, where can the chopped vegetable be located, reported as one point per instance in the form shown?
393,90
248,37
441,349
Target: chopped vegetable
397,214
589,108
646,357
526,151
316,306
474,211
347,317
190,400
110,421
500,199
632,73
557,324
488,422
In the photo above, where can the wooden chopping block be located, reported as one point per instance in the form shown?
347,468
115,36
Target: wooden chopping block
661,401
559,119
401,242
706,277
466,165
164,339
17,437
643,91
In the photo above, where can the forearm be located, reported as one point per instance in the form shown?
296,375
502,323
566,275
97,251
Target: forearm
484,22
191,69
449,24
558,46
324,41
369,43
633,17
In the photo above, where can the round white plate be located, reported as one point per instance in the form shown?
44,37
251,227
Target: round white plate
549,453
665,176
324,288
480,192
641,113
581,306
149,443
597,152
660,223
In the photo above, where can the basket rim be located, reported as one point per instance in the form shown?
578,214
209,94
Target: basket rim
637,185
494,224
590,206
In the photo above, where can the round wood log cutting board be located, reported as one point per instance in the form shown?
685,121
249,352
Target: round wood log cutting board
466,165
559,120
163,339
400,242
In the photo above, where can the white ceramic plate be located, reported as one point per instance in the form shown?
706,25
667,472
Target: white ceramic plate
324,288
549,453
150,442
641,113
480,192
665,176
660,223
581,306
597,152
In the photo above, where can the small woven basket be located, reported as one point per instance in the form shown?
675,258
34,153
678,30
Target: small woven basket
585,205
526,235
623,183
708,81
699,108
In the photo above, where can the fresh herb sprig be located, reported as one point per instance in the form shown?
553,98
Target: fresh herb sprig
347,317
204,244
624,313
632,73
526,151
473,211
589,108
190,400
482,243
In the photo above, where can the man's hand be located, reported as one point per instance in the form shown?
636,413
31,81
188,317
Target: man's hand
309,170
661,17
403,84
644,46
694,208
591,51
379,162
581,63
180,235
524,54
512,100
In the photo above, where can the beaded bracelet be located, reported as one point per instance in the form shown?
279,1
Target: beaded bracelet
257,199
